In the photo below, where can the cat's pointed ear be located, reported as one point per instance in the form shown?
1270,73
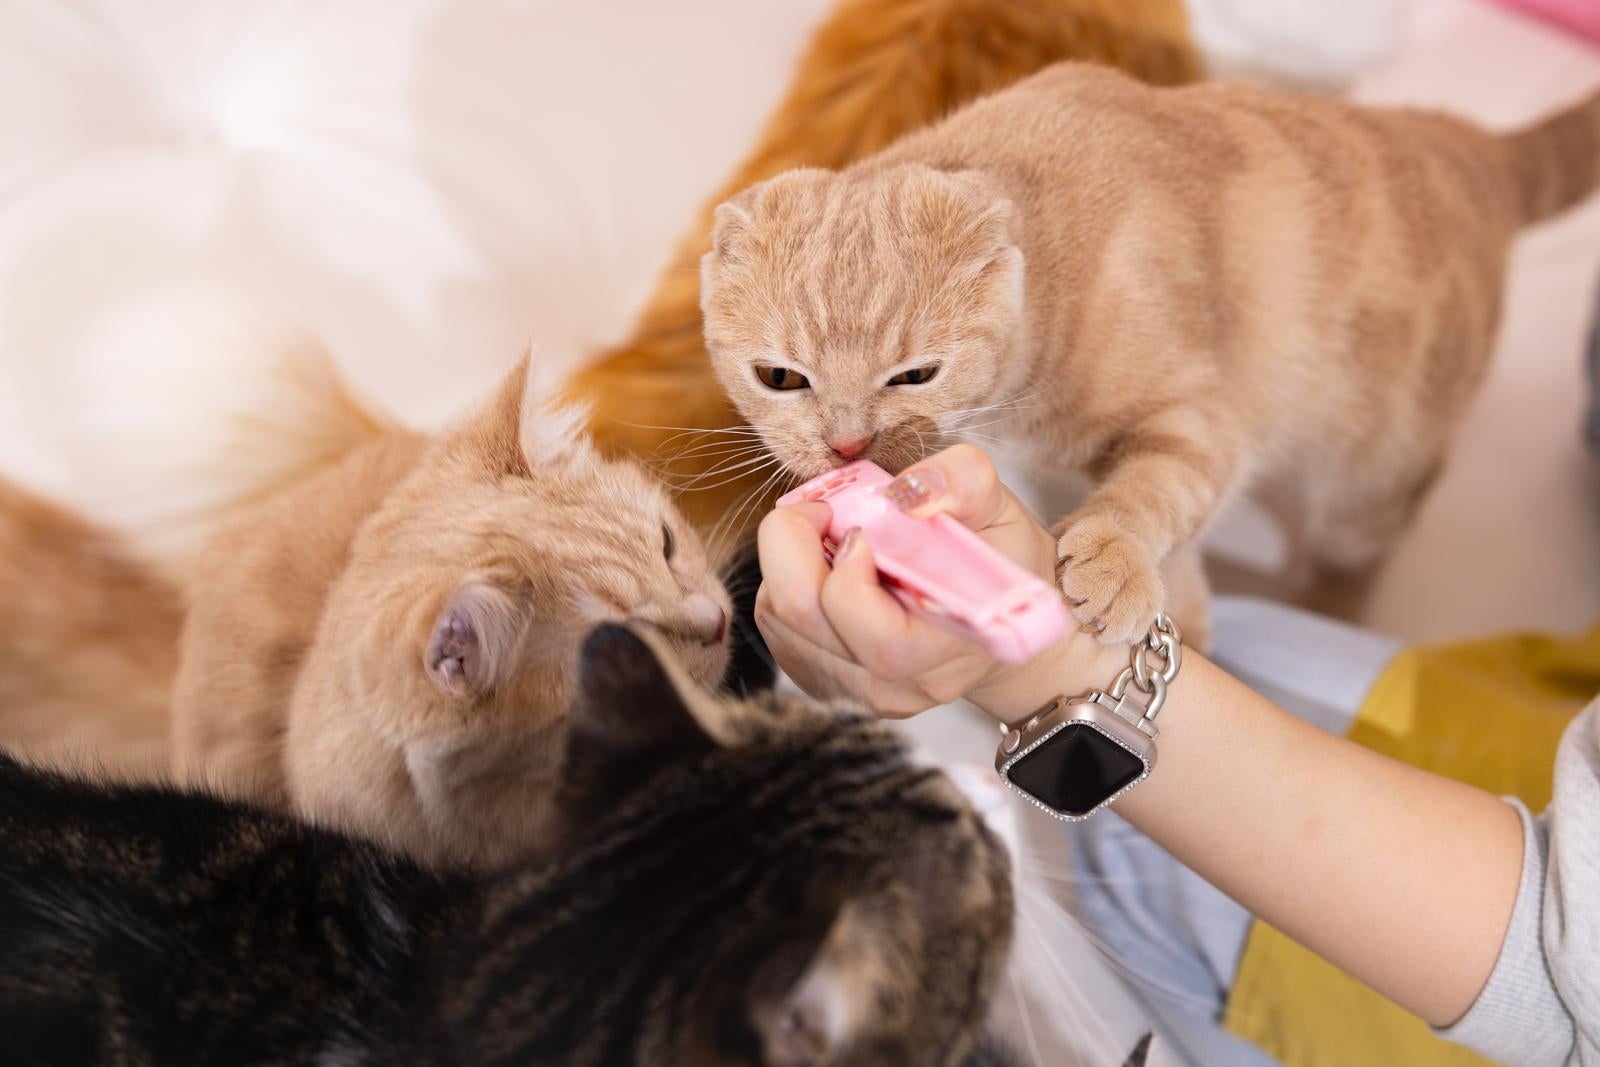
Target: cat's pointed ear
529,424
634,711
473,647
552,427
838,994
633,695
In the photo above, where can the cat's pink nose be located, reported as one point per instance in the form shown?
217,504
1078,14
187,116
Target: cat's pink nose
850,448
721,629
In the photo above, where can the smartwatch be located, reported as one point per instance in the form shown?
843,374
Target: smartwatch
1076,755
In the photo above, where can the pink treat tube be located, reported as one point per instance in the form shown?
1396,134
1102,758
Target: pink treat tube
940,569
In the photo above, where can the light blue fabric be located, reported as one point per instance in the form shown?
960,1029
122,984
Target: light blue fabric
1176,938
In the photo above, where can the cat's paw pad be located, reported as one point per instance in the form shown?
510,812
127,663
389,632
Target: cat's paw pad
1109,579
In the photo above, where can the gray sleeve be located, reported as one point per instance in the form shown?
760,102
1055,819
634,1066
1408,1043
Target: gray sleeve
1541,1005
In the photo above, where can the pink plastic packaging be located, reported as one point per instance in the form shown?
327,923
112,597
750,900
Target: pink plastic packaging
1579,16
939,568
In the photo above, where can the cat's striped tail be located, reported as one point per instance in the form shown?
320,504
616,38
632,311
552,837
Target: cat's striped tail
1555,164
183,406
188,402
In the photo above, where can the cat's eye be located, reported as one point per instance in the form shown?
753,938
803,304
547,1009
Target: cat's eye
916,375
668,544
781,378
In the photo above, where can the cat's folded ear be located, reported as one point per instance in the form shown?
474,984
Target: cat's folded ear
634,710
731,220
775,201
475,641
989,216
984,239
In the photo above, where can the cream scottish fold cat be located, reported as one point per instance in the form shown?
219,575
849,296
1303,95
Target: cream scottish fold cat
1185,293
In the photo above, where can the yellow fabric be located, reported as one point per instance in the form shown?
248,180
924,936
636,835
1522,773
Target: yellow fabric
1490,713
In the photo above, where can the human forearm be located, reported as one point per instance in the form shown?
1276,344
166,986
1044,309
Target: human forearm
1403,878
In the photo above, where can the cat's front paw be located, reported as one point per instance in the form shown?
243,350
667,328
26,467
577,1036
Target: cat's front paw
1109,578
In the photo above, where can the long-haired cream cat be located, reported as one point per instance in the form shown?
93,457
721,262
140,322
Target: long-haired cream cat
389,646
1184,292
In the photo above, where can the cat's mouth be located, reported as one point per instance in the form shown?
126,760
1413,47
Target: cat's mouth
894,449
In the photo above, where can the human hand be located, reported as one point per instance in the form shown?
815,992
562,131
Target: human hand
838,632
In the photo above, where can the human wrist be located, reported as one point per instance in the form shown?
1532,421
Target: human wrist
1074,664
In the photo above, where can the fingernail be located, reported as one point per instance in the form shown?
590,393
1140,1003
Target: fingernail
914,488
852,537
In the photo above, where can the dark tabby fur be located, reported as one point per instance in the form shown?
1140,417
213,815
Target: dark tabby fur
756,883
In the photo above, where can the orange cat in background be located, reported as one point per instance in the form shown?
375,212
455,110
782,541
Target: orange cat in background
1187,293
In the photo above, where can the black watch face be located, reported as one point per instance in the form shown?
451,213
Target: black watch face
1076,769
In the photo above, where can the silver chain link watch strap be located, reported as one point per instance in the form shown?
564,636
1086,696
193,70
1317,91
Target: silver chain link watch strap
1076,755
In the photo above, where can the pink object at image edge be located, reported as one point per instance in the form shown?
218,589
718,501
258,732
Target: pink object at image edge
940,569
1579,16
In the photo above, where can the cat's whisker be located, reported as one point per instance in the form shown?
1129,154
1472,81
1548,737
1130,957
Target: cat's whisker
717,448
1005,443
967,427
681,482
1037,949
743,428
693,431
718,537
986,408
1035,862
1026,1019
718,463
733,522
1021,455
717,458
729,475
1097,1033
1002,450
669,469
748,508
1002,411
1068,924
1064,876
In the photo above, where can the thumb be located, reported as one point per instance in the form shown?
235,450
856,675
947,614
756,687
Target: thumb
853,560
960,482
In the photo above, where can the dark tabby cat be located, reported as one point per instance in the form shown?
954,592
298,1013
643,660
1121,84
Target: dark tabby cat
756,883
